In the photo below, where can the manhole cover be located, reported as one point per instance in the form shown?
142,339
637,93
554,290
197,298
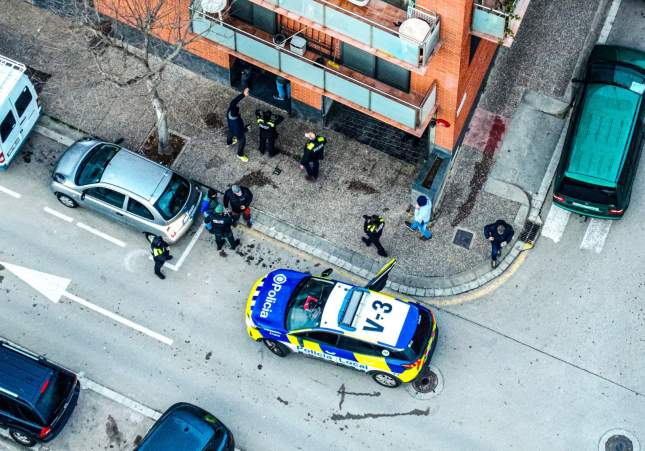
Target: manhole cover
463,238
618,440
428,385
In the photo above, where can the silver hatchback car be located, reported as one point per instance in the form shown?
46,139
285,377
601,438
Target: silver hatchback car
127,187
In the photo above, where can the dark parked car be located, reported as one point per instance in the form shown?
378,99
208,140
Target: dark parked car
185,427
37,397
605,136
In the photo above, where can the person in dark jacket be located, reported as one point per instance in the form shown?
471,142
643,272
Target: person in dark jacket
373,227
267,123
221,223
238,200
160,254
236,128
312,153
500,233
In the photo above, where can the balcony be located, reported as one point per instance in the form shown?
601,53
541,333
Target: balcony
498,20
375,28
407,111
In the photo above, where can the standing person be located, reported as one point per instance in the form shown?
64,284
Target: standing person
267,123
221,228
500,233
373,227
236,128
160,254
283,86
238,199
422,214
313,152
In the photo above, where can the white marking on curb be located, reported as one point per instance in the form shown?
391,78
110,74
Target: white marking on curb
119,319
58,214
53,135
555,223
98,233
119,398
10,192
596,234
609,22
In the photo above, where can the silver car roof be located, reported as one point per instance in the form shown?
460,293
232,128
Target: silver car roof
136,174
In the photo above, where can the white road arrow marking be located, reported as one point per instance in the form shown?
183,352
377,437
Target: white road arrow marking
54,288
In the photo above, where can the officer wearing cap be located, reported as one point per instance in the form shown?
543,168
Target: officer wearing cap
221,228
373,227
313,152
267,123
238,199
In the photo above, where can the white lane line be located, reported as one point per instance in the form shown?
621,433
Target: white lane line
10,192
119,319
119,398
609,21
596,234
98,233
190,245
556,222
166,265
58,214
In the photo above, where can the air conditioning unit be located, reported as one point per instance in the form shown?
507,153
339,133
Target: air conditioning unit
214,7
359,2
298,45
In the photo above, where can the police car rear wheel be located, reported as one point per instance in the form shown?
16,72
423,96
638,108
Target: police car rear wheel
23,438
386,380
277,348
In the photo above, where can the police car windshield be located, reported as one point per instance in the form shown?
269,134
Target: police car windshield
307,303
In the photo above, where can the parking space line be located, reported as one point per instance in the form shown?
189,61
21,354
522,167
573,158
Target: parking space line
596,234
58,214
100,234
190,246
609,21
556,222
10,192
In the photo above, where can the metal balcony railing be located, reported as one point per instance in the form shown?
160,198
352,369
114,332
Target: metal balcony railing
369,32
329,80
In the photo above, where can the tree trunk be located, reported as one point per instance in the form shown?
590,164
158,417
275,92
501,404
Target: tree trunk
162,119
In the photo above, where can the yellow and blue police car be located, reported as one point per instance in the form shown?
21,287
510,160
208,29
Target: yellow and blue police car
359,327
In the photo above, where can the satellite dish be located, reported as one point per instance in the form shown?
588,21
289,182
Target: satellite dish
213,6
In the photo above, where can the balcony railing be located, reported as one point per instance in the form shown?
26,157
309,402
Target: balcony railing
495,24
329,80
368,32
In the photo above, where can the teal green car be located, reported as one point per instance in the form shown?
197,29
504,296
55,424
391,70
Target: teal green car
605,136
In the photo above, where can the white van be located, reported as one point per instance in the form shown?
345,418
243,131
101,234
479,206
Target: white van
19,109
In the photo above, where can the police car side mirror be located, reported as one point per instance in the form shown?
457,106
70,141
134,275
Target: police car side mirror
327,272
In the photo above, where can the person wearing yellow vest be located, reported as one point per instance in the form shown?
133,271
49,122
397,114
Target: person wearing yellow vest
373,227
160,254
313,152
267,123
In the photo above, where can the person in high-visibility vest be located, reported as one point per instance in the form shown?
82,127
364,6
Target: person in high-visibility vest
267,123
160,254
312,153
373,227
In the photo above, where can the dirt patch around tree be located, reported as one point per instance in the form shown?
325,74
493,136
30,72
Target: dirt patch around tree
256,178
149,148
361,187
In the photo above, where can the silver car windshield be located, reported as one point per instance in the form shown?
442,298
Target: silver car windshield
92,168
173,198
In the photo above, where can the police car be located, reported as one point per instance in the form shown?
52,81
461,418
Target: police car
359,327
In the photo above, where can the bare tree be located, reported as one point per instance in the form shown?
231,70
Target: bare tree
144,62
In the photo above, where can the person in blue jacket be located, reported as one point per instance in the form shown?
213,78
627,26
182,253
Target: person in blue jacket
500,233
236,128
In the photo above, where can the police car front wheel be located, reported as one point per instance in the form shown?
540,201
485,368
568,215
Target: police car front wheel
386,380
276,347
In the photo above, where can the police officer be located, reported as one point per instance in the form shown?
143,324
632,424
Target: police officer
160,254
373,227
236,128
221,227
267,123
313,152
238,199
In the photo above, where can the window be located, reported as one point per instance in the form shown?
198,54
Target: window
306,305
173,198
91,169
380,69
7,125
139,209
354,345
358,60
403,4
23,101
587,192
321,337
107,195
28,415
474,44
8,406
260,17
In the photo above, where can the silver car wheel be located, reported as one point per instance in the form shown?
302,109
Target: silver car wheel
386,380
66,200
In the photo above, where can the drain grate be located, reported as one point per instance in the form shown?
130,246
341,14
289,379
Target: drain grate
463,238
530,232
427,382
619,443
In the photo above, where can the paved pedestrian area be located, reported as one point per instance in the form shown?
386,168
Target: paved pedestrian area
355,178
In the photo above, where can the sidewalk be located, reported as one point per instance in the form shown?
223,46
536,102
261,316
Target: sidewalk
325,218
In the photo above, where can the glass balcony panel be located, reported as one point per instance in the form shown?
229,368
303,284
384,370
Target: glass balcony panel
213,31
303,70
305,8
348,25
428,105
395,46
348,90
489,22
257,50
394,110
